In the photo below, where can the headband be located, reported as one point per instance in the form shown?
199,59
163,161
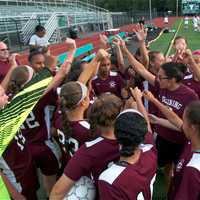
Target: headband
130,110
30,73
84,91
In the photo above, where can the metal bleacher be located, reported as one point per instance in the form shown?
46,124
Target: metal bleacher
23,15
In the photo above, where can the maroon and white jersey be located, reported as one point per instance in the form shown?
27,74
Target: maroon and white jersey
16,163
113,84
130,181
192,84
36,127
92,158
190,183
177,101
80,134
179,169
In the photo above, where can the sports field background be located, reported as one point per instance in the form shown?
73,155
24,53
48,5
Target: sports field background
162,43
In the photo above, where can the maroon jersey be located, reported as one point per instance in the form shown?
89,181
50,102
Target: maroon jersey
186,181
115,182
190,183
80,134
178,172
192,84
92,158
177,101
16,163
4,68
113,84
36,127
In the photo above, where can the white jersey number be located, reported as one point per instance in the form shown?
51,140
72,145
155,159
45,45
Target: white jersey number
20,139
30,122
73,143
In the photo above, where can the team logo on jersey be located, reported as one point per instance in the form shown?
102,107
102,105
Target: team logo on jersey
180,165
112,84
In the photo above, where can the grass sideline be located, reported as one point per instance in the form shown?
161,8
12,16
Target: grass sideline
163,42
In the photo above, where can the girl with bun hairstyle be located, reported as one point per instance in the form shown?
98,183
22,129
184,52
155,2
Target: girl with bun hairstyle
137,158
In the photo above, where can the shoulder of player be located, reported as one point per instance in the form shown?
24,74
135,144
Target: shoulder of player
146,147
194,161
94,142
188,77
84,124
188,91
112,173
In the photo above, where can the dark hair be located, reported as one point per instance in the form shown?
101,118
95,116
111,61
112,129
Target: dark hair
130,131
75,71
33,54
174,70
70,95
18,78
193,114
103,112
39,28
38,49
180,37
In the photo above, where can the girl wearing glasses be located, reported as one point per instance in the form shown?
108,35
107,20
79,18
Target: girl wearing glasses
169,90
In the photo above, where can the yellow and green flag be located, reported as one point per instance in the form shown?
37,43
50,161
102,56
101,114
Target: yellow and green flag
15,113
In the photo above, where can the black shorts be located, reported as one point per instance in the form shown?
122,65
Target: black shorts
168,152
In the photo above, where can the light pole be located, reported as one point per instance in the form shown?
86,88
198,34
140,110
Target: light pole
150,11
177,8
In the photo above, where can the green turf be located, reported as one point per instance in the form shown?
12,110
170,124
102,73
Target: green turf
193,38
163,43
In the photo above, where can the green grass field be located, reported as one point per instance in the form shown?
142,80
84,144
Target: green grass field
163,42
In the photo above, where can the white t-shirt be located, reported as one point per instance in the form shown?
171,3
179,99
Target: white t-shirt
186,21
38,41
166,20
195,21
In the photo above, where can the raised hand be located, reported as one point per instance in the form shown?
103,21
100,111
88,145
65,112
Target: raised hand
101,54
136,93
148,95
140,32
130,103
12,59
187,55
103,40
153,119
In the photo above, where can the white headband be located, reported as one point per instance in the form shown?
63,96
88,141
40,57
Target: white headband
30,73
131,110
84,91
